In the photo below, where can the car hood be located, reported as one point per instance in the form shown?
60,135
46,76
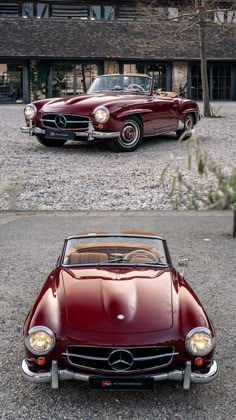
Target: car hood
115,301
84,102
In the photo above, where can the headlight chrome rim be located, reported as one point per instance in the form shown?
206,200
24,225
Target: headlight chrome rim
34,112
199,330
40,329
102,119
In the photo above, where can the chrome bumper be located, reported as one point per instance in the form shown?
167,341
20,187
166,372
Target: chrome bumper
55,375
91,133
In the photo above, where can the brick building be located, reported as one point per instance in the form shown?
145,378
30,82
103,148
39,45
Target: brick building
51,48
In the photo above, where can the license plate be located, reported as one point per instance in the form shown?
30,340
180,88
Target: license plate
143,384
58,134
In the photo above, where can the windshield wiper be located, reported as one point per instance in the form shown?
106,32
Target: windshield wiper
111,261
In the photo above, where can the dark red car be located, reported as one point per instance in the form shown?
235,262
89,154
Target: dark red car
116,314
121,109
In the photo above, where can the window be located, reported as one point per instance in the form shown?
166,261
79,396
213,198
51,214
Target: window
9,9
35,9
101,12
196,82
225,16
159,71
219,80
83,11
11,89
72,79
42,10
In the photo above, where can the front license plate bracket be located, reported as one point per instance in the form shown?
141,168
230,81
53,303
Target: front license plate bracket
121,383
58,134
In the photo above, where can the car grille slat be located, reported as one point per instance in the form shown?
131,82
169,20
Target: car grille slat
99,358
69,121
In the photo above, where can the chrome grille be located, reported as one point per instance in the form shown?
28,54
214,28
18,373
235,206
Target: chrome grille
72,122
104,358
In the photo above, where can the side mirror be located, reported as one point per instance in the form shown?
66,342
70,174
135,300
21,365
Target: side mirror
183,263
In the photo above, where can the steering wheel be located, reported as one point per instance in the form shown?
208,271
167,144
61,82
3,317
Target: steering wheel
141,253
135,87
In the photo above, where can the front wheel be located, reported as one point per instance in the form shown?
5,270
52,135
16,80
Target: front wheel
50,143
188,126
131,136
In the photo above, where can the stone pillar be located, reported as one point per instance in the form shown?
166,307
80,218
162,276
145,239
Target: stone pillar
179,77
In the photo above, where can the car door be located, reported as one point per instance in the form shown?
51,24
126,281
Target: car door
165,114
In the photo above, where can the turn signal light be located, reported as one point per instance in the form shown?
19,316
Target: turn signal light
41,361
100,125
198,361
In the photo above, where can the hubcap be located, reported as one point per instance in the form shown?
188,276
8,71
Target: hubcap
130,134
189,124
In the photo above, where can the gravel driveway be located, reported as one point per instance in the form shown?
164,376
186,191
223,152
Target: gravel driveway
91,177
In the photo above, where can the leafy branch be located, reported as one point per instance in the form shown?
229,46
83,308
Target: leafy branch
184,193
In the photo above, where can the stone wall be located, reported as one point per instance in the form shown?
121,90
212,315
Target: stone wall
179,76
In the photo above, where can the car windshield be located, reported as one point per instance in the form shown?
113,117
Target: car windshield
96,249
137,84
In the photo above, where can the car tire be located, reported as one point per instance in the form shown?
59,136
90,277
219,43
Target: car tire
50,143
187,130
131,136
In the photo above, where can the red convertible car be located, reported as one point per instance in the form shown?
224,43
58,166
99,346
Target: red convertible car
116,314
121,109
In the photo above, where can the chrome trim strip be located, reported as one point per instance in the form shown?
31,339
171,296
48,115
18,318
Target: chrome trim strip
98,135
160,356
64,375
81,356
43,120
54,114
205,378
32,130
136,359
91,134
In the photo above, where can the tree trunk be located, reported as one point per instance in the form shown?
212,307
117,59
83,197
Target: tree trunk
83,79
205,89
234,223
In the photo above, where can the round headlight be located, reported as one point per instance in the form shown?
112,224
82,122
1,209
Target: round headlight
101,114
199,341
40,340
30,111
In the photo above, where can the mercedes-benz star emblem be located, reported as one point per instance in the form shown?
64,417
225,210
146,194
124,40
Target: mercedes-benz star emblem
120,360
60,121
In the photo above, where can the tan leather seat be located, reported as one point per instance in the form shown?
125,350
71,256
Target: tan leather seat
141,260
87,257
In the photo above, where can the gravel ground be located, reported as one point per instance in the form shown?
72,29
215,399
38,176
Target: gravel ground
211,273
91,177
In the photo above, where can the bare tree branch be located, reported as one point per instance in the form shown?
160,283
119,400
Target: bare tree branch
203,15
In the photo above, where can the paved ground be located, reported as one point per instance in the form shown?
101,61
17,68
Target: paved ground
30,243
